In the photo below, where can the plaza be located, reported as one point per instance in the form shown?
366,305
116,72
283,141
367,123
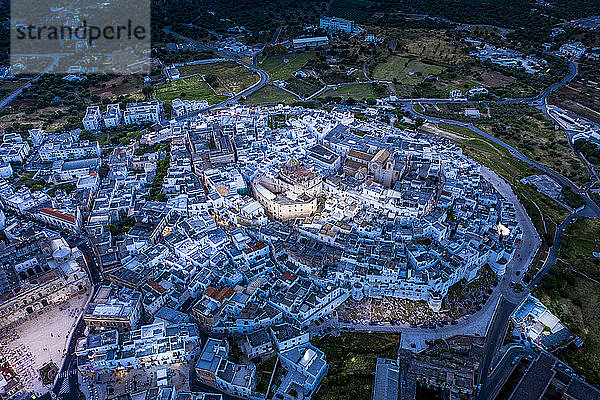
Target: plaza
41,339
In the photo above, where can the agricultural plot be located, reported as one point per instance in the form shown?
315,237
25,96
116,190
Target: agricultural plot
281,66
271,94
356,91
227,78
302,87
193,88
405,70
430,47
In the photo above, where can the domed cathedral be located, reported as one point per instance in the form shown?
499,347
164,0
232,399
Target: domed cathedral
293,192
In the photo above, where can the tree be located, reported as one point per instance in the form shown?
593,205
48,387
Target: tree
419,122
147,91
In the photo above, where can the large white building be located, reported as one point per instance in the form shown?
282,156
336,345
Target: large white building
310,42
137,113
92,119
60,219
150,345
13,148
184,107
50,152
337,24
113,115
293,193
47,271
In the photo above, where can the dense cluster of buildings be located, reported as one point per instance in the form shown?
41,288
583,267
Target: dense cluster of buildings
252,224
39,268
260,222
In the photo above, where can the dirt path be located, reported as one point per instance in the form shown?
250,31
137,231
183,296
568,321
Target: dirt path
452,135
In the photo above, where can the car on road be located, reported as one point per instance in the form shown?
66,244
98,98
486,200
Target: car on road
514,361
454,322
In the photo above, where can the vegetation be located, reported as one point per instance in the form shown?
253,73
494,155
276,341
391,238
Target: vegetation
405,70
527,130
27,179
590,151
571,293
193,88
281,66
144,148
253,15
225,78
67,187
265,370
358,91
352,358
270,94
155,192
122,226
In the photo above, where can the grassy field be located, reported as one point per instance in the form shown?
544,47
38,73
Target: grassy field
302,87
232,78
580,240
356,91
193,88
536,137
526,129
426,45
281,66
270,94
574,298
405,70
352,358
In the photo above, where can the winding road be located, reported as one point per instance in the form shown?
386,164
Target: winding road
495,367
494,375
264,77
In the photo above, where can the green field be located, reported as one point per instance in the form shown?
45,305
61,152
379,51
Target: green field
193,88
405,70
231,77
271,94
574,298
357,91
281,66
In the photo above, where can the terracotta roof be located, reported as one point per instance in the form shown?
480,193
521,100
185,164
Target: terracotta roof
254,246
58,214
287,276
154,285
220,295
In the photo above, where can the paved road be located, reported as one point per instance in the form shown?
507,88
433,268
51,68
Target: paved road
11,97
70,362
264,77
500,373
491,383
591,209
